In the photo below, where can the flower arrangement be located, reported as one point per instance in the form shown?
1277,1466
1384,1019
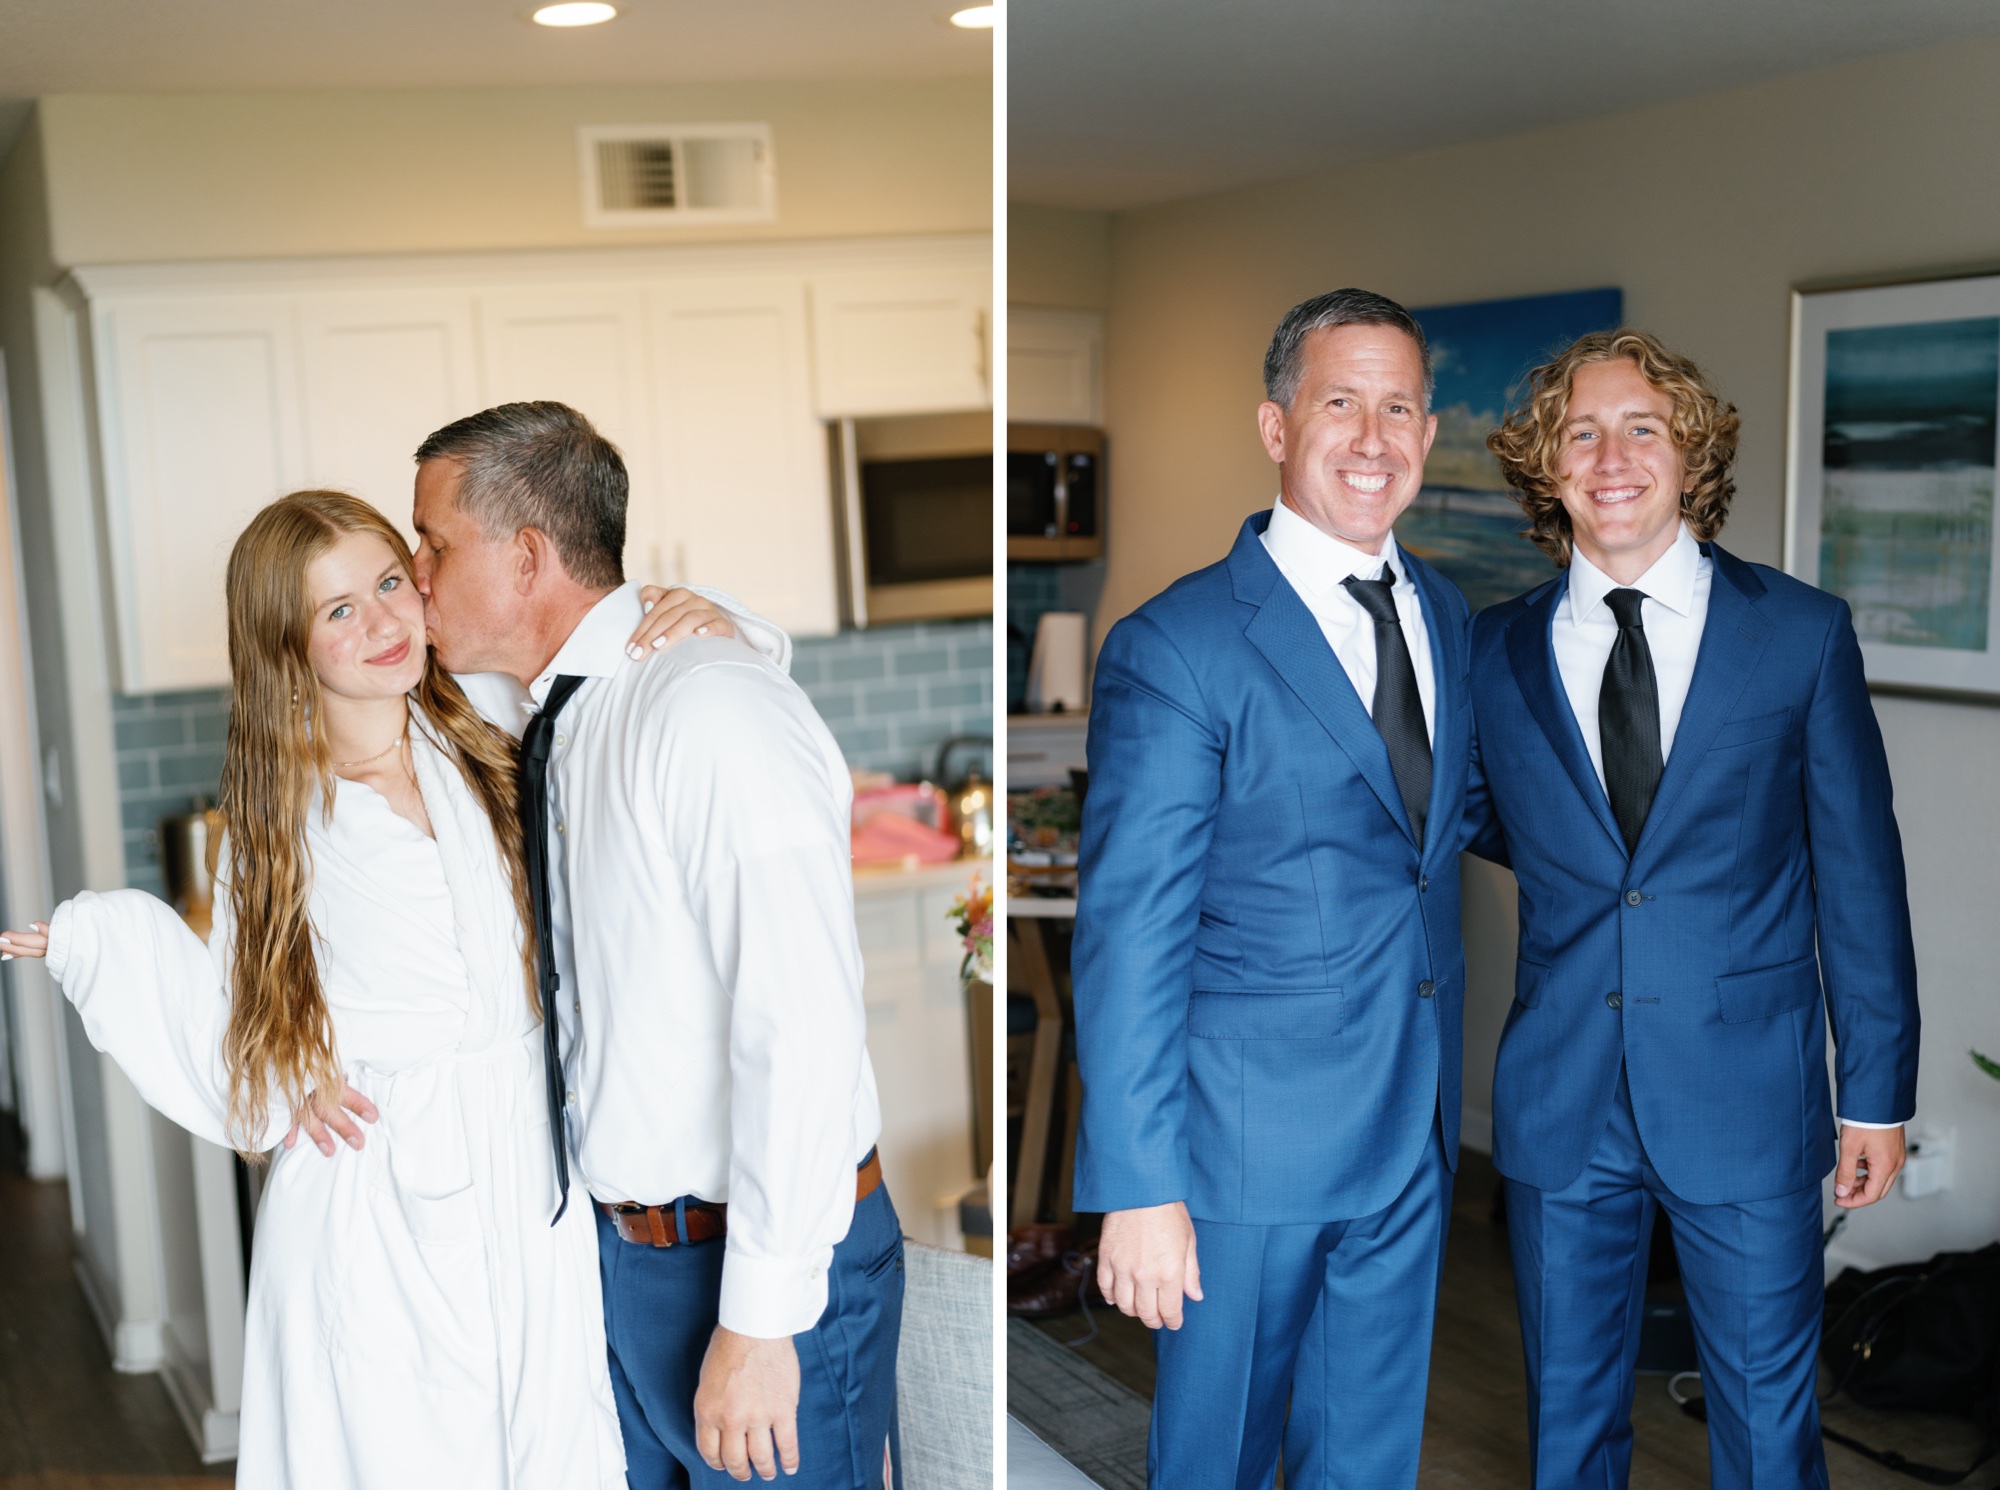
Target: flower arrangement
972,914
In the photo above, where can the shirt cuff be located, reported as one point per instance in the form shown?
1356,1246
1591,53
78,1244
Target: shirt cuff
773,1298
1850,1123
61,927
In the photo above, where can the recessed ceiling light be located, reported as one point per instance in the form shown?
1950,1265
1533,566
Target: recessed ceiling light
575,13
974,18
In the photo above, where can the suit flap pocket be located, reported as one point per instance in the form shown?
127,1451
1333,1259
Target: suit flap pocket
1265,1016
1743,731
1768,991
1528,980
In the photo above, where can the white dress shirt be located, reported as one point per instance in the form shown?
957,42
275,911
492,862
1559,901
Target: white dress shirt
703,904
1674,613
1315,563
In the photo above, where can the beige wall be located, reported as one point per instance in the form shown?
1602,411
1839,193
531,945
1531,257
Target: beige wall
142,177
1058,258
1706,213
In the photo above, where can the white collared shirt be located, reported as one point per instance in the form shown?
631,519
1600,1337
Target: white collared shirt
703,902
1674,613
1314,563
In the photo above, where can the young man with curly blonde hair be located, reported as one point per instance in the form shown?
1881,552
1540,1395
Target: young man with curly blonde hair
1677,756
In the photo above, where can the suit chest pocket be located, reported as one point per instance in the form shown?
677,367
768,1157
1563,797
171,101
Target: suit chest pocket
1749,731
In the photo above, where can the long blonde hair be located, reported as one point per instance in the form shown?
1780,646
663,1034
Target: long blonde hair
280,1031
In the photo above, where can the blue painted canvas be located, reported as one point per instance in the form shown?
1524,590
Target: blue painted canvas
1906,519
1465,520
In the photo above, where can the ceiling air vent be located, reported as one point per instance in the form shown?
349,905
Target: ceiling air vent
664,175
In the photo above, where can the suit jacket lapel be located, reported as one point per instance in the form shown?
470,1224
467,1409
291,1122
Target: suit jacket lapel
1532,653
1449,726
1291,641
1733,639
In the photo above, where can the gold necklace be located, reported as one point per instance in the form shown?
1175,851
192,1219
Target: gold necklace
350,765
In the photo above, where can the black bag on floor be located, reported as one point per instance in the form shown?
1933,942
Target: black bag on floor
1923,1337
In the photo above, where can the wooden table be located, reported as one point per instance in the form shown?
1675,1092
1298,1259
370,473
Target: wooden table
1029,920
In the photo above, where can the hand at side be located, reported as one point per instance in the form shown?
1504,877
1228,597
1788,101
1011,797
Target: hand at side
1146,1263
1870,1159
748,1399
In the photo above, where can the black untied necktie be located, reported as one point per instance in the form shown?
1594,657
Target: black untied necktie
1399,707
533,793
1628,720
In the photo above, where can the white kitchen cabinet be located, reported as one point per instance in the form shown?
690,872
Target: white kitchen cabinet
745,502
220,387
917,1042
202,423
913,342
1055,366
380,372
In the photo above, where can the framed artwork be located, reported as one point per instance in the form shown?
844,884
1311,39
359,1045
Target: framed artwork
1465,521
1889,493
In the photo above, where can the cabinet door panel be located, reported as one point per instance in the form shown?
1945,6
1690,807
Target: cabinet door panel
911,343
747,506
200,402
381,373
1054,361
585,347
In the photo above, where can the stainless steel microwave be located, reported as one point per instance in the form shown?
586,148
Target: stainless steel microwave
915,517
1055,492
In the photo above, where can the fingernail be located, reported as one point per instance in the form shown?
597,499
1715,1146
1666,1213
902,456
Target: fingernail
633,652
646,606
6,956
701,631
659,642
1840,1189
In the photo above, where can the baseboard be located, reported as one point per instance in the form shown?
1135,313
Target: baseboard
136,1346
213,1432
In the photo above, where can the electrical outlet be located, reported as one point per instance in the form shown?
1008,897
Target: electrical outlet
1928,1169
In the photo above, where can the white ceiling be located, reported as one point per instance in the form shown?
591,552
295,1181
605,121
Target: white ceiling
1118,103
86,46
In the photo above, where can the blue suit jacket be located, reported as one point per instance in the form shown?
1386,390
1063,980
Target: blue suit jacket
1766,892
1255,920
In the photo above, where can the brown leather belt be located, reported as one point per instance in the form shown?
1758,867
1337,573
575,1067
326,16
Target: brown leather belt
702,1221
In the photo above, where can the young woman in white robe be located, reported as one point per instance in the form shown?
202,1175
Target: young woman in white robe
413,1318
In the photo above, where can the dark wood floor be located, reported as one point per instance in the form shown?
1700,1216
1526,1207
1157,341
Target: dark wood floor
1475,1430
67,1420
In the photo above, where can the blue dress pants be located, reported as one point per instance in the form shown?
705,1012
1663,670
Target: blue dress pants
1331,1317
1755,1287
660,1309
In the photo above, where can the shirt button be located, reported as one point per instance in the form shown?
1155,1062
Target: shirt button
1426,988
564,829
576,1004
572,1099
562,739
1613,1001
1632,897
813,1274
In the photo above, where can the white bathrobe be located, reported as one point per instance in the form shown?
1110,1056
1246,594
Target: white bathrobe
413,1320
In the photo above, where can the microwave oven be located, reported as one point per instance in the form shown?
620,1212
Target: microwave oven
915,517
1055,492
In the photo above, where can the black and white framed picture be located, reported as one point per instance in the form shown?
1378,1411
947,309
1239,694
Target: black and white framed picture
1895,411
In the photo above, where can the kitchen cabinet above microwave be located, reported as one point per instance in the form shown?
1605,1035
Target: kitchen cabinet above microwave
219,387
1055,492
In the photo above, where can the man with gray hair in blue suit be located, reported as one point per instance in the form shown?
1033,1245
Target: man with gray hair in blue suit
1268,970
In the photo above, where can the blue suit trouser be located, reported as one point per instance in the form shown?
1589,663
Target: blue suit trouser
1331,1317
1755,1288
660,1309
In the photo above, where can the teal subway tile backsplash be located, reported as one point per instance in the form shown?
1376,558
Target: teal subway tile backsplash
891,695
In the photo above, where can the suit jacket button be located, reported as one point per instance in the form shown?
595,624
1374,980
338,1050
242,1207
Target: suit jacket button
1423,884
1633,897
1613,1001
1426,988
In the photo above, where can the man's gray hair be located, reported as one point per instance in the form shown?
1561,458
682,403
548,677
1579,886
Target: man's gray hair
542,465
1284,363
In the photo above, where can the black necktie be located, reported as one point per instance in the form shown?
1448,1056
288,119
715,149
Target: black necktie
1628,720
1399,707
533,790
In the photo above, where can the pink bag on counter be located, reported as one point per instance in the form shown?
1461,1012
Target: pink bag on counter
899,822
